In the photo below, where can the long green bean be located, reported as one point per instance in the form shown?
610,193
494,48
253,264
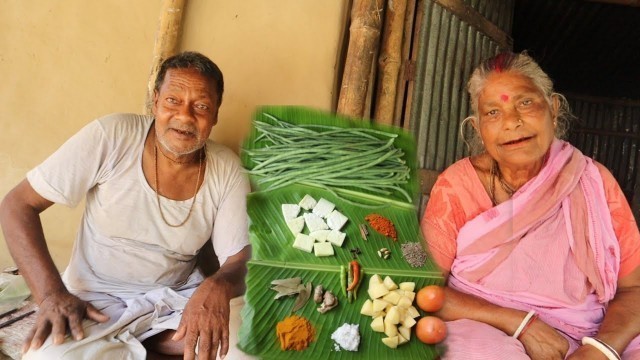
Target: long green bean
360,159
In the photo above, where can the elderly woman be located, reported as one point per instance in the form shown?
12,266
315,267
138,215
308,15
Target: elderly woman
538,244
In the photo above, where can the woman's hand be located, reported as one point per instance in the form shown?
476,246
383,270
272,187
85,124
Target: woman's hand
57,312
587,352
541,341
205,321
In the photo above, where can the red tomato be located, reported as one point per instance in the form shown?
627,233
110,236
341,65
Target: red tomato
430,298
431,330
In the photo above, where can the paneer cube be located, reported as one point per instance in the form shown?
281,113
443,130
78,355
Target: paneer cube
307,202
323,208
323,249
314,222
336,220
296,225
290,211
336,237
303,242
320,235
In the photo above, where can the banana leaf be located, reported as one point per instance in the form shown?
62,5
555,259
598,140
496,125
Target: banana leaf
272,240
262,313
275,258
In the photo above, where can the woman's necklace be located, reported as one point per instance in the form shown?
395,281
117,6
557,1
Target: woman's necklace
156,181
495,172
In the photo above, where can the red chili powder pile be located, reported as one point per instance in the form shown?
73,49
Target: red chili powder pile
382,225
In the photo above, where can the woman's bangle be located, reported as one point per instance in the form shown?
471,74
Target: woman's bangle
602,346
526,327
524,323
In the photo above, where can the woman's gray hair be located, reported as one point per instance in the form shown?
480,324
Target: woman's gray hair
524,65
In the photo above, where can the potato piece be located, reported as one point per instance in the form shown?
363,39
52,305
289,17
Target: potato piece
375,279
404,302
367,308
379,304
388,282
391,341
407,286
392,297
408,321
390,329
413,312
377,291
405,332
402,340
393,317
410,294
378,324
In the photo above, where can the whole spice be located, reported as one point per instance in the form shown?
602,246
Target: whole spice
329,301
382,225
317,294
303,297
414,254
384,253
295,333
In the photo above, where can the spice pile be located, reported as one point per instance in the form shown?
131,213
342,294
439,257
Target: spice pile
347,337
382,225
295,333
414,254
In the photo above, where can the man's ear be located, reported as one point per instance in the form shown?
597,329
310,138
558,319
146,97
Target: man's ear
154,105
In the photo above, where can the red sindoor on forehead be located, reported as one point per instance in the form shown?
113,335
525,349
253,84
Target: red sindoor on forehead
504,97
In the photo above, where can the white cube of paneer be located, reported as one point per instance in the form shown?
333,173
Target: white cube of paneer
303,242
336,220
314,222
336,237
323,208
323,249
296,225
290,211
320,235
307,202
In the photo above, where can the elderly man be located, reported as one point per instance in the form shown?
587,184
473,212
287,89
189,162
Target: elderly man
157,193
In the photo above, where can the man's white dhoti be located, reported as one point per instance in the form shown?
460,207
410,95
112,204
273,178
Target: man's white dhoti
131,322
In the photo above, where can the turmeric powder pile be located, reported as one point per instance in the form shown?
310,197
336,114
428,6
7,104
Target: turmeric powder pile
382,225
295,333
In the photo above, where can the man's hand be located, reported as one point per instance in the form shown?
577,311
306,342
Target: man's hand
541,341
59,311
205,321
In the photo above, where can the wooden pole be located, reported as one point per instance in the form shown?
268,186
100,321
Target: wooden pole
390,61
405,65
366,21
167,40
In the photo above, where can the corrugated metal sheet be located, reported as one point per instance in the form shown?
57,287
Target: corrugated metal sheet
449,50
609,132
587,47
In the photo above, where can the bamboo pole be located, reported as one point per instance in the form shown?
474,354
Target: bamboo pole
366,20
166,44
401,90
390,61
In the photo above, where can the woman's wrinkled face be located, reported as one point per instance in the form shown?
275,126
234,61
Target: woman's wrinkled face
185,108
515,121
